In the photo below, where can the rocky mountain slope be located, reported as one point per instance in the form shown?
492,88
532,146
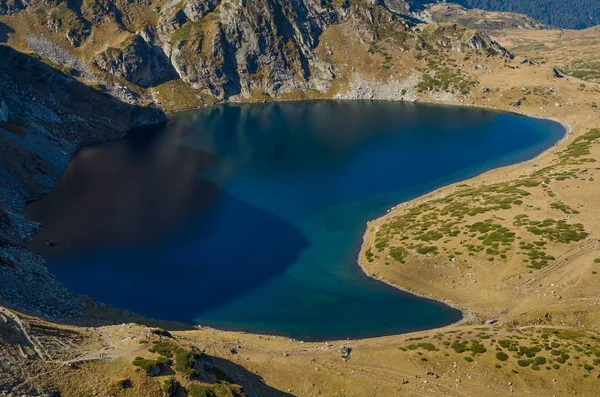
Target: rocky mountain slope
209,51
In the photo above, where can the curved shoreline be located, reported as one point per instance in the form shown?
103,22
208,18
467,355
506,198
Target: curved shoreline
367,236
464,314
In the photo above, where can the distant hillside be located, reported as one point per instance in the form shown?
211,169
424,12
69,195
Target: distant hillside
567,14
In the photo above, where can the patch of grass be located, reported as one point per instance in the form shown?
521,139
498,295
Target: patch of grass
425,346
564,208
477,347
459,347
539,361
184,362
580,146
398,253
165,349
168,385
148,364
528,351
197,390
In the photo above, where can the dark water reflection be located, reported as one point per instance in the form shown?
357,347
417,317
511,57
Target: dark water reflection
250,217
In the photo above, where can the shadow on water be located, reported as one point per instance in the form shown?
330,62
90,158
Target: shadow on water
145,229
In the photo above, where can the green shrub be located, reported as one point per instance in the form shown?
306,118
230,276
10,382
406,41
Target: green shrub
398,253
167,385
477,348
425,346
147,364
459,347
184,362
523,363
502,356
539,361
196,390
529,351
165,349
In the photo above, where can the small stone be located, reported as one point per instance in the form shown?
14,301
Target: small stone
344,351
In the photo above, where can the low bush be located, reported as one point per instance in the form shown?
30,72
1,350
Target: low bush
523,363
148,364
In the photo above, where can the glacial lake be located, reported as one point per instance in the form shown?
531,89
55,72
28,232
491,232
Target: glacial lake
250,217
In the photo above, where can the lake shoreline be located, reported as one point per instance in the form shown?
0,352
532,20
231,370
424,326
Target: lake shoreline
367,237
486,178
464,314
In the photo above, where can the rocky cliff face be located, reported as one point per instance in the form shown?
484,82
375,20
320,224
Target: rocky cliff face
220,49
247,46
138,62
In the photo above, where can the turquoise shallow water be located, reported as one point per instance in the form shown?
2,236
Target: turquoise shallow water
250,217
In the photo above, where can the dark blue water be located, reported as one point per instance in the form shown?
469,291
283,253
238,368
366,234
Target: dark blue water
250,217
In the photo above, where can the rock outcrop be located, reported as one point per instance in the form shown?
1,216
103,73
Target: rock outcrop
138,62
263,46
482,42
